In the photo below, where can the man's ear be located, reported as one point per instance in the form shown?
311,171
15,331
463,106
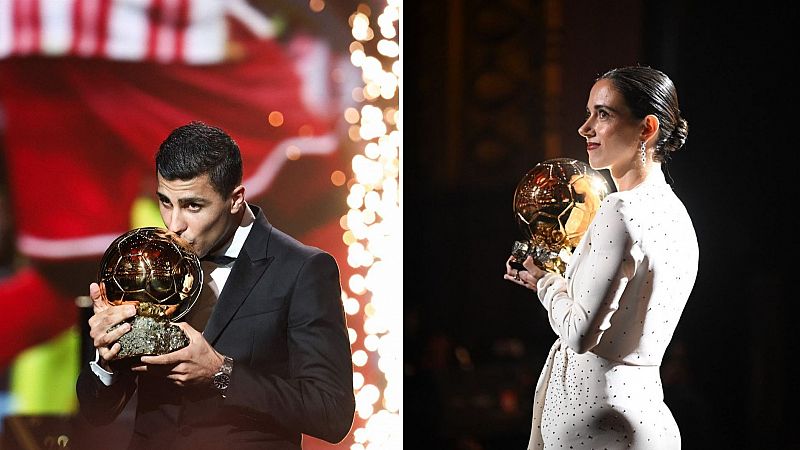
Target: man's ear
237,197
650,128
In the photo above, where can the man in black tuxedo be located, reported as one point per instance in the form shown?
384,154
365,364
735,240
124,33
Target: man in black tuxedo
269,355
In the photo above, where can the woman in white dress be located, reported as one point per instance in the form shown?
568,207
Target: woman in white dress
620,299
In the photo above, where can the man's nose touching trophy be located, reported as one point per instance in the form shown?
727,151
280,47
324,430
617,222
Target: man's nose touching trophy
554,204
155,270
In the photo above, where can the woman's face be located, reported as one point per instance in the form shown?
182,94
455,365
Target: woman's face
612,133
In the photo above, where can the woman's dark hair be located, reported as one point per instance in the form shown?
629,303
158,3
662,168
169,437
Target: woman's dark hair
196,149
650,91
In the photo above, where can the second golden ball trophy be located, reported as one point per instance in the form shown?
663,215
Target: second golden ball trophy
554,204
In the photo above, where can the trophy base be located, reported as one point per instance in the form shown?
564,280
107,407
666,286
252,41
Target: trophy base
553,262
519,252
543,258
151,336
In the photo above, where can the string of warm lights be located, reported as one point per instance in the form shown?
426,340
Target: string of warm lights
372,296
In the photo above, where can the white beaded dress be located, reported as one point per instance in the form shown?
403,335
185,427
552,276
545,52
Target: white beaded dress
615,311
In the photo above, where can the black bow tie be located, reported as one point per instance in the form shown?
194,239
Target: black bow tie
220,260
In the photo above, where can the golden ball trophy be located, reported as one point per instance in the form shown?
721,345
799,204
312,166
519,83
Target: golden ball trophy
155,270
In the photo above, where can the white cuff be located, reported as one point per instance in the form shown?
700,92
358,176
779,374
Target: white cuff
107,378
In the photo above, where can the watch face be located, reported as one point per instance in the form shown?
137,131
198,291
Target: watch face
221,381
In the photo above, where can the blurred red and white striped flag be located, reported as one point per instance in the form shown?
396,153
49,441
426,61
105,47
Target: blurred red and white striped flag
167,31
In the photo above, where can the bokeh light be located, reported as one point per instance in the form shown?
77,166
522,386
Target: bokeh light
372,227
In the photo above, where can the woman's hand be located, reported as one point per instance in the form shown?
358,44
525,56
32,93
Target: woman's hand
528,277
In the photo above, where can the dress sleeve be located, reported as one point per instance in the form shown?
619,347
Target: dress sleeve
580,306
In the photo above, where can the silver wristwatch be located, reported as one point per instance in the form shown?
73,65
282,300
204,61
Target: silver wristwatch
222,379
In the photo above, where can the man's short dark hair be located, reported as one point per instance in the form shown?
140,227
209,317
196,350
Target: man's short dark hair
196,149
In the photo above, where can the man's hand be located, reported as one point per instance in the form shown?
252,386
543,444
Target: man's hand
194,364
106,316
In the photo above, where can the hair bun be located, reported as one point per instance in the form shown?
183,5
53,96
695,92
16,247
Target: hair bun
677,137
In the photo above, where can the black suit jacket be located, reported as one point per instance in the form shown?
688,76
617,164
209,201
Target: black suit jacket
280,318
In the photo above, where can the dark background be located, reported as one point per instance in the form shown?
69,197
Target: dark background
493,87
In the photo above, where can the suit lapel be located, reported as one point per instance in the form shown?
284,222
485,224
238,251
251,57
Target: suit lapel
246,271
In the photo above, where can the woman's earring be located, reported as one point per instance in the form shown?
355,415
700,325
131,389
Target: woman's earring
644,153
